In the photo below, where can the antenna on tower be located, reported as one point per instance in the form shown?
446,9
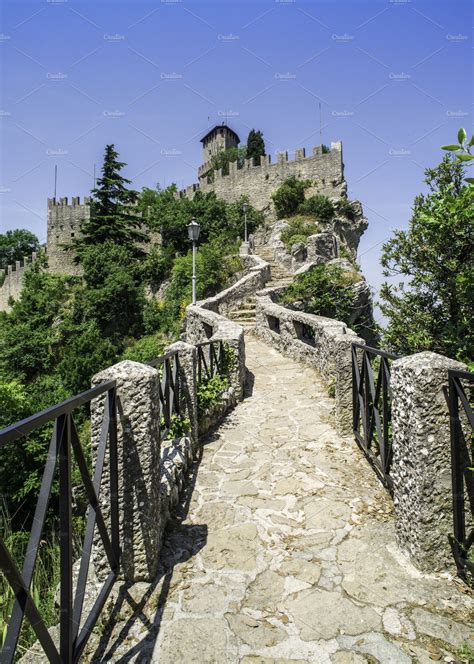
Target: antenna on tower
55,179
320,125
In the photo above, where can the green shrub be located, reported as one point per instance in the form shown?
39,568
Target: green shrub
209,392
179,427
298,230
319,207
327,290
289,196
145,349
345,208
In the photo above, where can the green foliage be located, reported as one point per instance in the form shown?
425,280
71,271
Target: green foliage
113,218
327,290
216,263
298,230
317,206
345,208
325,149
255,146
145,349
170,215
179,427
466,653
30,335
43,585
462,150
289,196
432,308
16,244
209,392
223,158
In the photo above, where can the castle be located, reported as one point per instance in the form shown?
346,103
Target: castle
323,167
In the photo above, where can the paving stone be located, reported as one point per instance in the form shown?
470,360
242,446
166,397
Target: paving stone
194,640
376,644
320,614
256,633
344,657
442,628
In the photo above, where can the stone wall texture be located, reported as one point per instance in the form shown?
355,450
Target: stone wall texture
64,223
13,280
258,183
138,442
421,466
326,348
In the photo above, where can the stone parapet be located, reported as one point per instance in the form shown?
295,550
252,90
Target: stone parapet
323,343
421,465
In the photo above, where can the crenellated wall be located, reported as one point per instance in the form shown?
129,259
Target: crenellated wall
13,280
325,169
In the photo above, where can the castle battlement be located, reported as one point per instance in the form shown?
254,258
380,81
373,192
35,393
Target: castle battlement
13,279
258,182
63,202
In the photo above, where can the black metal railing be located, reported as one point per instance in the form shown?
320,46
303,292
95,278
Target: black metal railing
460,384
210,360
169,388
371,407
64,446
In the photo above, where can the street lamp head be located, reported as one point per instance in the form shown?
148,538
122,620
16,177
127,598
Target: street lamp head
193,230
245,207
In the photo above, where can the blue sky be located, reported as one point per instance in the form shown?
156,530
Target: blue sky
394,79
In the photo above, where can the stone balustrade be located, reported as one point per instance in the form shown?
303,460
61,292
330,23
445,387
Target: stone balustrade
323,343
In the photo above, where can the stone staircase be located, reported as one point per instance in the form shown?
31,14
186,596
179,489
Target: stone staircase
280,277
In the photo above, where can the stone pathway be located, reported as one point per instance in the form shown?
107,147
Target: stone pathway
286,552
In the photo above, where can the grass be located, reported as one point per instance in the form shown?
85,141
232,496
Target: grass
466,652
43,585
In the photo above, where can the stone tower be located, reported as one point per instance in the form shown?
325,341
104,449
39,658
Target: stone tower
216,140
64,224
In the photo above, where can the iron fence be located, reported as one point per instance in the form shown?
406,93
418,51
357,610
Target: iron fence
371,407
65,445
460,383
210,360
168,367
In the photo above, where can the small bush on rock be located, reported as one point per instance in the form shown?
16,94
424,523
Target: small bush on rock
318,206
327,290
289,196
298,230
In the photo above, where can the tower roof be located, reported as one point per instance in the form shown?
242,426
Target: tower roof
221,126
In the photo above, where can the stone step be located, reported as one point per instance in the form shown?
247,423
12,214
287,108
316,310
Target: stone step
242,313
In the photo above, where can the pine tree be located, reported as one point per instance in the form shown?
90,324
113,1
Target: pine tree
255,146
113,218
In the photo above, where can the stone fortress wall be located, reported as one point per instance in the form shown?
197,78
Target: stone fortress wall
325,169
258,183
13,279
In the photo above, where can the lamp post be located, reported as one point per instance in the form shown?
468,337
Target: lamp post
193,234
245,207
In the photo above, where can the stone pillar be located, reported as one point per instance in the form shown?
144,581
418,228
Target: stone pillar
421,466
188,396
342,353
138,444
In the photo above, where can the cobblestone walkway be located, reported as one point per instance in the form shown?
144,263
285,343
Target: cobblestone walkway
287,550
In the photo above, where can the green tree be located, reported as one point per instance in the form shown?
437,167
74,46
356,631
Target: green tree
327,290
255,146
223,158
16,244
462,150
289,196
431,309
113,215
